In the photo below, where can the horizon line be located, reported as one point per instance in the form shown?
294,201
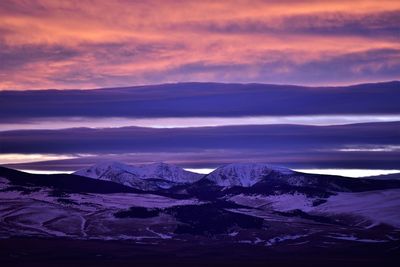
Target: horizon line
203,82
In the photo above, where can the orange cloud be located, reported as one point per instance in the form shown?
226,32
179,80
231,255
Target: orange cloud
86,44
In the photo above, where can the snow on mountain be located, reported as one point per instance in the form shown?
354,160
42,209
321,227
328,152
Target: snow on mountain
244,174
145,176
168,172
281,202
379,206
68,206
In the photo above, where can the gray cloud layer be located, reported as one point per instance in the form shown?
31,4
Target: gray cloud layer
201,100
294,146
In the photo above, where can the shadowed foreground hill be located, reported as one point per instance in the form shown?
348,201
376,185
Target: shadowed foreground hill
263,215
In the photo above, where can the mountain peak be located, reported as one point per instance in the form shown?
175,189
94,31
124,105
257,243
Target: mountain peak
98,170
244,174
133,174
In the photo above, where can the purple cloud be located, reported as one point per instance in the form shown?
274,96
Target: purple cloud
202,100
296,146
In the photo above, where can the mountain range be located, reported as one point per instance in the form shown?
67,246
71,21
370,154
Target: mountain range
163,205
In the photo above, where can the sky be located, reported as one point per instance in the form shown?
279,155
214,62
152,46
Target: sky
80,44
310,85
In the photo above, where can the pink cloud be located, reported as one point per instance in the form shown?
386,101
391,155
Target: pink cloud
117,43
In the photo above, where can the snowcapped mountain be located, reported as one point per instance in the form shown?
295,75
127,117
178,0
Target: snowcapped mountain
248,176
245,174
262,178
145,177
282,209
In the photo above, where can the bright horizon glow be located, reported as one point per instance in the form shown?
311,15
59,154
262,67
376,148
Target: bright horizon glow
12,158
45,171
175,122
380,148
201,171
31,158
354,173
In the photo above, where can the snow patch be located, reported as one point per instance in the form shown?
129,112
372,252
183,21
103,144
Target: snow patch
380,206
244,174
279,239
354,238
163,175
283,202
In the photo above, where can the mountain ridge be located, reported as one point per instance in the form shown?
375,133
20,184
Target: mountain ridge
141,176
279,205
247,176
135,87
244,174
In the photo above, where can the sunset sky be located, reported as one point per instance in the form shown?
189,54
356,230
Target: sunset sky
93,44
304,84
